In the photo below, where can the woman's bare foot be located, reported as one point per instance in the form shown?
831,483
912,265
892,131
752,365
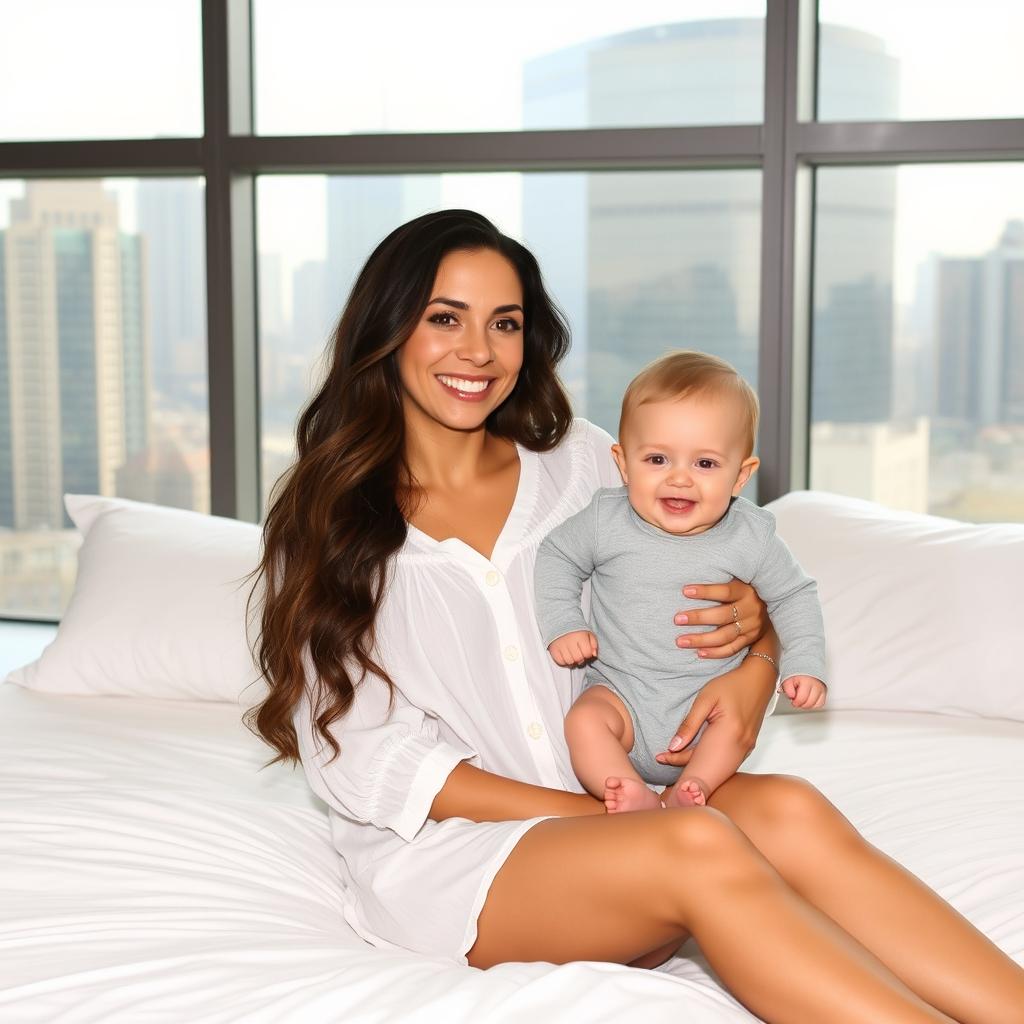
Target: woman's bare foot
686,793
628,795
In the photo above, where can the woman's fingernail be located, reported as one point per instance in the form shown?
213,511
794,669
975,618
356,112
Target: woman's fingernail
675,744
681,620
683,642
690,591
702,654
659,757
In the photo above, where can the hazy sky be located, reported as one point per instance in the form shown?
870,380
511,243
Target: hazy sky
66,67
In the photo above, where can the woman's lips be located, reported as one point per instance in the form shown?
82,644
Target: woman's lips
466,389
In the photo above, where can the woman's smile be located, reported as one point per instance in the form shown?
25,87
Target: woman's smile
466,389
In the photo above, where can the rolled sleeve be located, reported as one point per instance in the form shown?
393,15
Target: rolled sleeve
391,765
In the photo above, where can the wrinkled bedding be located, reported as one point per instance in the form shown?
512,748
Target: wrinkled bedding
151,871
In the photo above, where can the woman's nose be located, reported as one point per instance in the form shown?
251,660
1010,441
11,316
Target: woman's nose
475,346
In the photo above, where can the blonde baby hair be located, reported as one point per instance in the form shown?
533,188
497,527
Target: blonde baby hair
681,374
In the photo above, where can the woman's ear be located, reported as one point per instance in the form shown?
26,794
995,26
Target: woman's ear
620,460
747,469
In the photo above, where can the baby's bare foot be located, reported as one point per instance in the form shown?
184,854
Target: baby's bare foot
686,793
628,795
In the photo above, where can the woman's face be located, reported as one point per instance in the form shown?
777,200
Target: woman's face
464,356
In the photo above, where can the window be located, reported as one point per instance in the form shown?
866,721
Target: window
459,65
920,59
851,243
102,364
115,69
918,353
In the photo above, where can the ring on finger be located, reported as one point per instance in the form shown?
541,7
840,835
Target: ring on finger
739,631
735,614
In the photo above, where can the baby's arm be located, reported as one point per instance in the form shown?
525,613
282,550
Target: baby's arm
565,560
795,611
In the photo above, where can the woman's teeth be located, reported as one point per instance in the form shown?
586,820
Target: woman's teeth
459,384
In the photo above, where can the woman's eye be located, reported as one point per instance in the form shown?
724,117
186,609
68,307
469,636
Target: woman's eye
508,325
706,463
445,319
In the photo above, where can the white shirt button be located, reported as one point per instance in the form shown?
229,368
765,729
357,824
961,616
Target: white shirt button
511,653
535,730
492,578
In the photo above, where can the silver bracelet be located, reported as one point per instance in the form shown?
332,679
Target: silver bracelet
767,657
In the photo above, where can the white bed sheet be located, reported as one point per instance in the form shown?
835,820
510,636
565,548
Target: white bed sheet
150,872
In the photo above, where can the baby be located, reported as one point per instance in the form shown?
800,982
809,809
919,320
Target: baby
686,435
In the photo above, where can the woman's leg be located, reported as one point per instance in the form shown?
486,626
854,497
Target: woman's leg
916,934
617,887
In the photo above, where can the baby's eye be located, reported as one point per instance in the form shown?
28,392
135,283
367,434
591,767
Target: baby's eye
656,460
508,325
445,319
706,463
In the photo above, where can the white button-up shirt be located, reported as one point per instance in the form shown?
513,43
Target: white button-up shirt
457,634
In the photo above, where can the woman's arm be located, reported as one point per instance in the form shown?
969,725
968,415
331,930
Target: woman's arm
482,796
739,697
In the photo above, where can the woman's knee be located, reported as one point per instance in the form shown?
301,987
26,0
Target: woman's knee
793,802
696,835
705,858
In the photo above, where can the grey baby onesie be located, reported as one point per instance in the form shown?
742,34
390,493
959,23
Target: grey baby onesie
637,573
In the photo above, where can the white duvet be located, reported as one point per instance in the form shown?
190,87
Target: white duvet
150,872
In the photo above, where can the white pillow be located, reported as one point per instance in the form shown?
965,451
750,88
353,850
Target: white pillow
921,613
158,608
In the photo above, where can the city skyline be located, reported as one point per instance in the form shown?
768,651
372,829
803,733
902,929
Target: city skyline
918,320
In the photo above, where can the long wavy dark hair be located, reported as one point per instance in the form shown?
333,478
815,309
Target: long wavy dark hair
336,516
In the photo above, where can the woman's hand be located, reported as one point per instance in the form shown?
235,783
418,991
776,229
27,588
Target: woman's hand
737,699
742,618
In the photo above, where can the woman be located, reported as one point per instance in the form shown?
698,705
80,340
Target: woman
407,674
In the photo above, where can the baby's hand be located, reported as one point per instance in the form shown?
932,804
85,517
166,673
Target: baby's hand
574,648
805,692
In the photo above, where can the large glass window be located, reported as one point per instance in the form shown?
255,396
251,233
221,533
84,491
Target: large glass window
920,59
114,69
102,364
641,263
918,338
462,65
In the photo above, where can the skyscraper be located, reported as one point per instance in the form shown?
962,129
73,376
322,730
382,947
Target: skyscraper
170,219
75,374
644,263
979,336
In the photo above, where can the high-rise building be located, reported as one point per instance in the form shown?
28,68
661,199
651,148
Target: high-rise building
170,219
978,353
645,263
75,374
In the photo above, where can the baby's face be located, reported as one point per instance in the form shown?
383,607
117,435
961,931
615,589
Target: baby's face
683,460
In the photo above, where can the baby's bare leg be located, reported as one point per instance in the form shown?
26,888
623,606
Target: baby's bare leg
716,757
599,732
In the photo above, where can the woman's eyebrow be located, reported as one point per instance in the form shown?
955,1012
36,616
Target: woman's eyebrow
512,307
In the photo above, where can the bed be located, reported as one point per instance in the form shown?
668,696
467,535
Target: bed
152,871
